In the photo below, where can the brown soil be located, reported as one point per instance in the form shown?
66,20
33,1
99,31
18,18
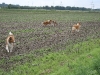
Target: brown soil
59,38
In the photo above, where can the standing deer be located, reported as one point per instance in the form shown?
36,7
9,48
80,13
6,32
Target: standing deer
10,40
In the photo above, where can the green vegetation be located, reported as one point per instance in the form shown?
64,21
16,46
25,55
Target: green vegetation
79,57
84,62
42,15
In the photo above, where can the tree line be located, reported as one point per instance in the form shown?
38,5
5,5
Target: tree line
12,6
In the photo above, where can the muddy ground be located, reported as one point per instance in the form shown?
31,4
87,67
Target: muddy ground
35,36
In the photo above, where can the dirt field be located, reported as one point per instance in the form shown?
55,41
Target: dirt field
32,36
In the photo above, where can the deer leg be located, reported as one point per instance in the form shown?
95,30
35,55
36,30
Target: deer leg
7,48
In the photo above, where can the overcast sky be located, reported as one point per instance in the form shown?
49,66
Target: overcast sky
76,3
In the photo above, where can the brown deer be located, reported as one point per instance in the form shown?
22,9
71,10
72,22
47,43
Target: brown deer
10,40
76,27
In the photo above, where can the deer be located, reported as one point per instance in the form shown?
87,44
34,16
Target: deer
10,40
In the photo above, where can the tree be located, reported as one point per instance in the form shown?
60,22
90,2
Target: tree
9,6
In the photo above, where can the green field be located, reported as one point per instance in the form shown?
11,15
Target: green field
50,50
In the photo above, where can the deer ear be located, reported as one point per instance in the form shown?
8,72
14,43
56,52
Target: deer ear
79,23
10,33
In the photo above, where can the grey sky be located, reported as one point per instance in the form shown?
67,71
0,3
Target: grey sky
77,3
